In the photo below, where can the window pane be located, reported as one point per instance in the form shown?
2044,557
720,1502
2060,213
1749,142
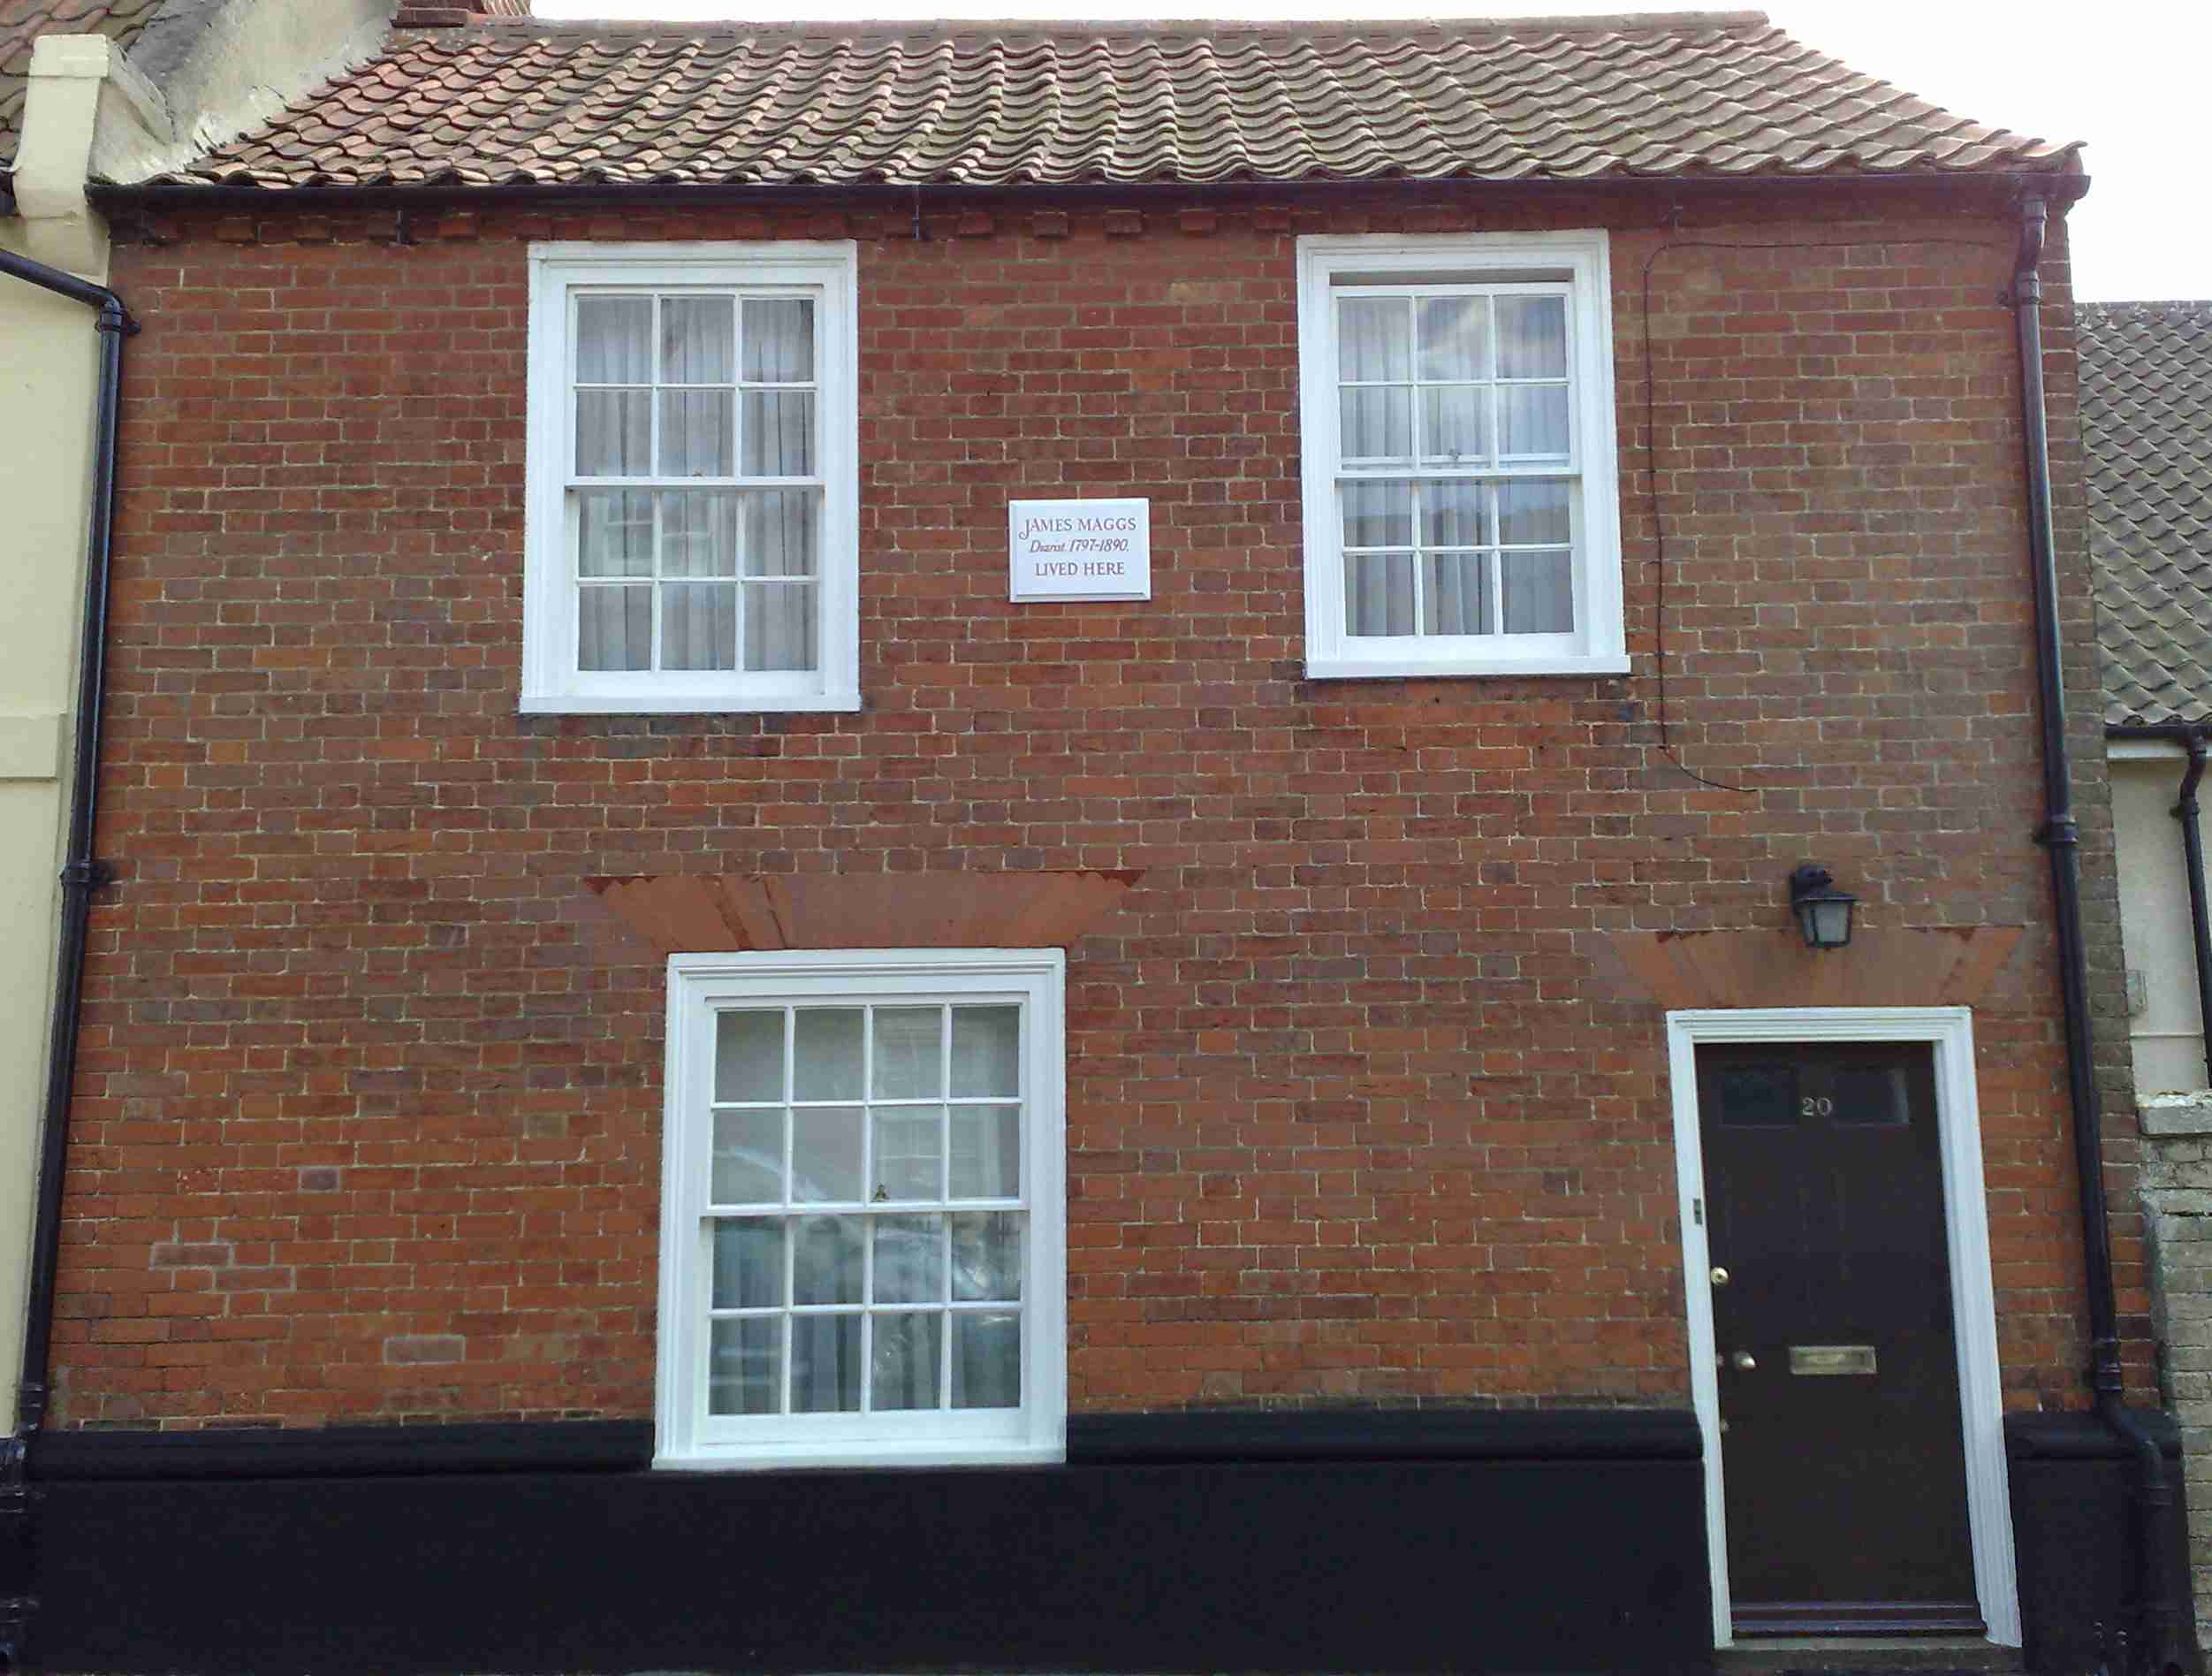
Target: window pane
1757,1096
827,1043
825,1153
614,533
1373,340
909,1259
824,1364
695,339
779,433
987,1256
1873,1096
826,1266
1456,423
695,439
779,340
698,625
908,1053
748,1055
1455,339
1531,515
1452,514
1532,420
745,1367
779,532
1379,424
614,433
1379,593
614,340
698,534
986,1361
615,627
1377,514
1531,337
781,625
1538,591
987,1161
748,1264
907,1353
749,1156
907,1143
987,1051
1458,587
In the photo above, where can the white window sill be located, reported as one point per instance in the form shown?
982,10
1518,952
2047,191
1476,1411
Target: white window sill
686,704
1402,669
921,1452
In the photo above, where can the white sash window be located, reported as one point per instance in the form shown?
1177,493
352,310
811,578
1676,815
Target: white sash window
1460,502
691,538
861,1248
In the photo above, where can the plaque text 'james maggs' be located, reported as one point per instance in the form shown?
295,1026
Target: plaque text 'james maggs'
1108,535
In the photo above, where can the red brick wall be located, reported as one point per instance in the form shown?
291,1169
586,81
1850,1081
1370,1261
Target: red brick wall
1359,1108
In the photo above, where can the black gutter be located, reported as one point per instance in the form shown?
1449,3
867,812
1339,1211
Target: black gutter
2191,737
2060,187
81,874
2158,1648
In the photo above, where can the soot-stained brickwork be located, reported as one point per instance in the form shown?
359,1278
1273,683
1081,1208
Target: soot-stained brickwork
1362,1103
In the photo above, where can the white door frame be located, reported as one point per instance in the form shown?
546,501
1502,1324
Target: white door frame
1950,1030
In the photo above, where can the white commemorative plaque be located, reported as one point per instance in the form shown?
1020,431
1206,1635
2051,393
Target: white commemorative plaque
1079,549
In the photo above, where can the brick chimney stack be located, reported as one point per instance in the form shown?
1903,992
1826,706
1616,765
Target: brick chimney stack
413,17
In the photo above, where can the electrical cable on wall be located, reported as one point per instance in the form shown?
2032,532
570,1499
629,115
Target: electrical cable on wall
1651,452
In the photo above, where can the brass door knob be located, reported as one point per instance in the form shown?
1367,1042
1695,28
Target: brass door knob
1742,1361
1720,1277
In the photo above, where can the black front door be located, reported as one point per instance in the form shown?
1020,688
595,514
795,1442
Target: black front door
1841,1446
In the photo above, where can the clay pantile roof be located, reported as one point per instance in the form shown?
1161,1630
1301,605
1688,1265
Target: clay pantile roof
23,21
2146,429
547,104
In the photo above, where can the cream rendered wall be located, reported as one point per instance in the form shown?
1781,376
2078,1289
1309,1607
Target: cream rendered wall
47,383
2166,1032
46,396
48,376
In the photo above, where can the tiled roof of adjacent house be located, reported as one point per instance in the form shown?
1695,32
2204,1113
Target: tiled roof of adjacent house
505,103
2147,428
23,21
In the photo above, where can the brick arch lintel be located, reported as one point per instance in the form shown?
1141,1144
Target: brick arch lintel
1894,966
687,913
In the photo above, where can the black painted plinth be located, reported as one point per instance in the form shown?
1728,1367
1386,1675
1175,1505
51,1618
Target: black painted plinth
2074,1529
1550,1545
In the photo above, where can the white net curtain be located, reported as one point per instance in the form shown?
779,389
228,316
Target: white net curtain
868,1219
708,403
1455,461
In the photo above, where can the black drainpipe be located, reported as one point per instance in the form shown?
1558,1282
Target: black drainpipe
2185,812
80,876
2158,1646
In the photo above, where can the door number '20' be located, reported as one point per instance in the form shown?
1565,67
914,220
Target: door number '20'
1816,1106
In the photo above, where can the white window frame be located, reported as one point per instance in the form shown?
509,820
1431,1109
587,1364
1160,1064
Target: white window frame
551,682
1597,646
698,984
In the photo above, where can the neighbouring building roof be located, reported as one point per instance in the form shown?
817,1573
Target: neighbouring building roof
2146,429
512,103
23,21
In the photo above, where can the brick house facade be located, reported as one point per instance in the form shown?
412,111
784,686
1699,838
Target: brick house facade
1368,1103
1354,1043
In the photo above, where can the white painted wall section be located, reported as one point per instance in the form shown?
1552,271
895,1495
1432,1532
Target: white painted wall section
2163,1027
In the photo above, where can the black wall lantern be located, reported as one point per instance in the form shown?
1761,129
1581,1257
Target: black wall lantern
1824,913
